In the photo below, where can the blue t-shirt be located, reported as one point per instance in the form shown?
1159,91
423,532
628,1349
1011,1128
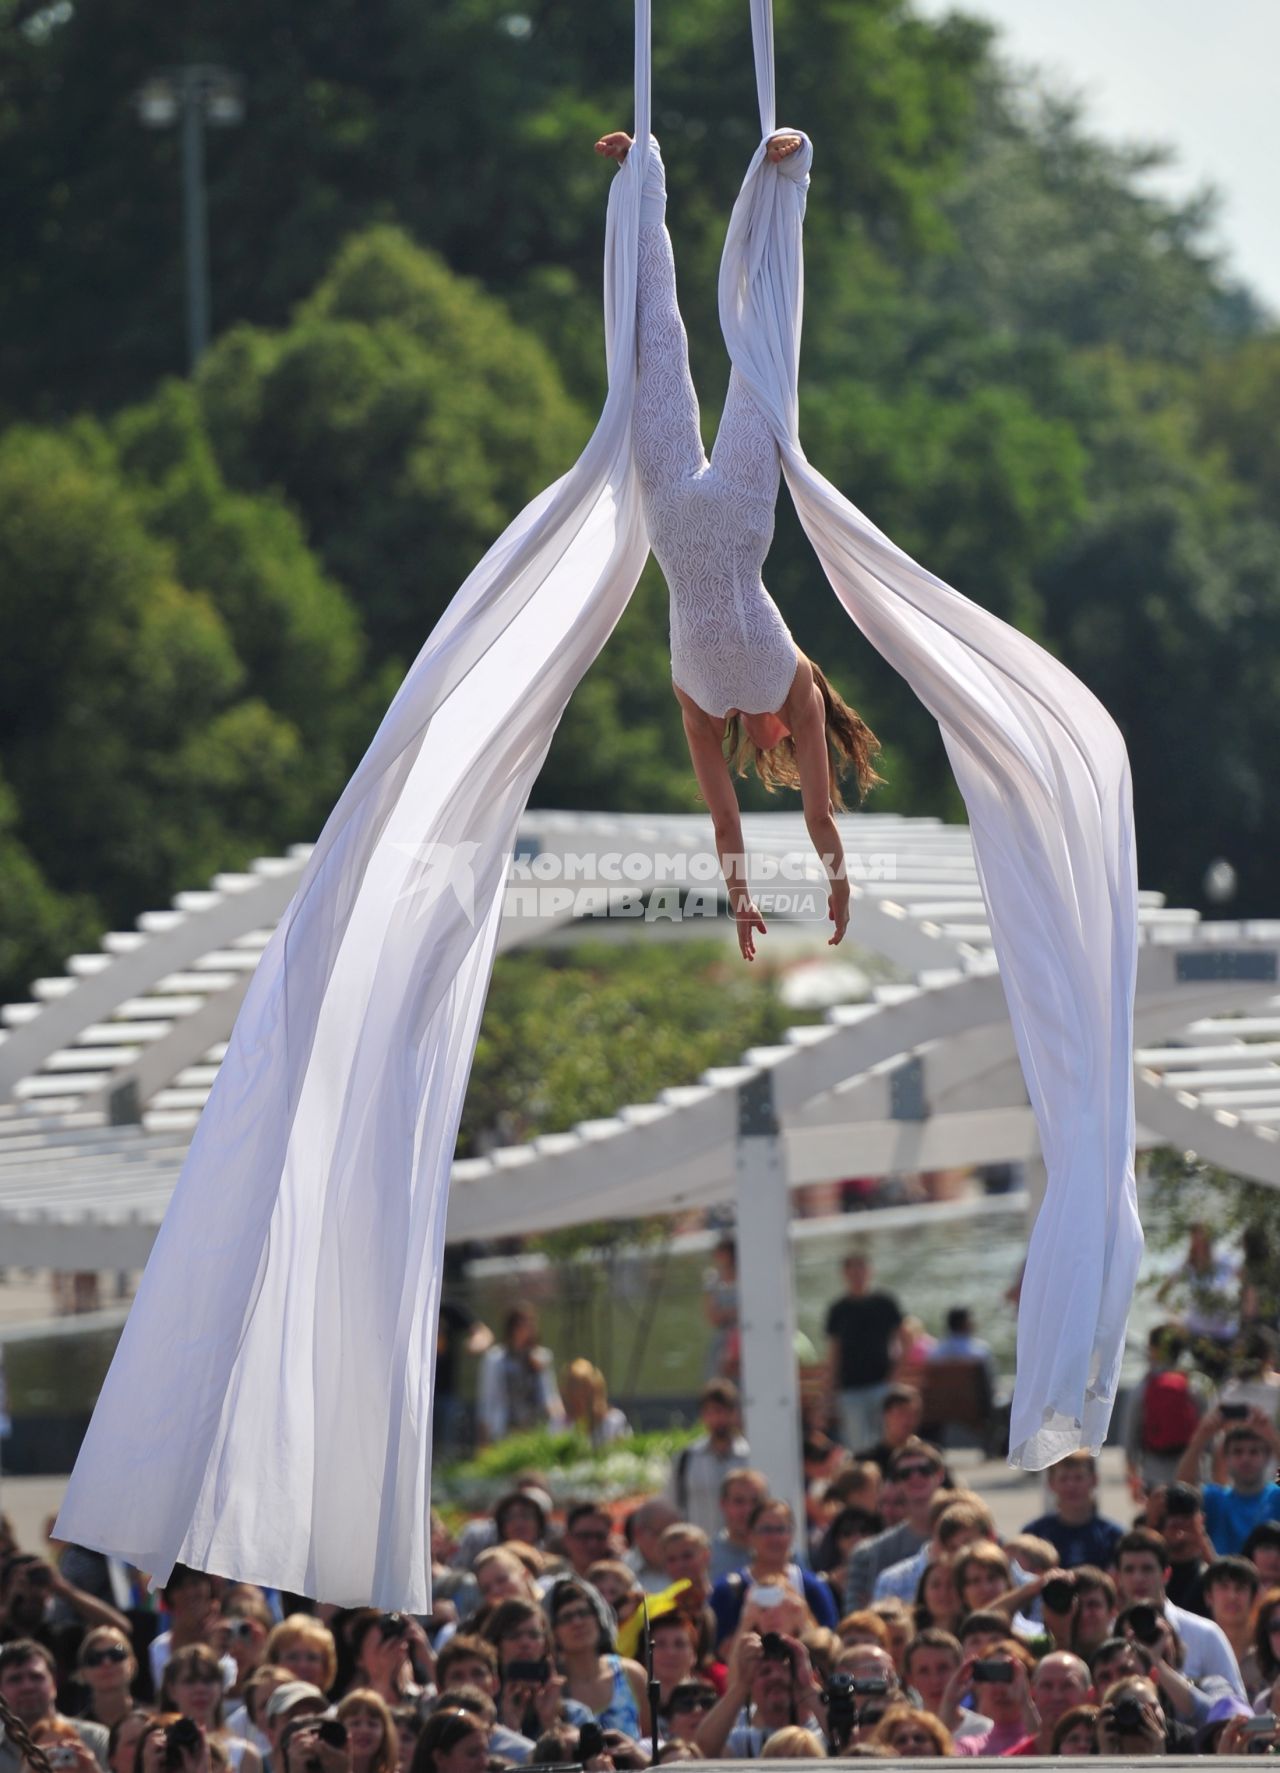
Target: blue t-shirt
1229,1517
1091,1542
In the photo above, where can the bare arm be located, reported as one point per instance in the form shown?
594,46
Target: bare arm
94,1612
1209,1425
713,1731
712,771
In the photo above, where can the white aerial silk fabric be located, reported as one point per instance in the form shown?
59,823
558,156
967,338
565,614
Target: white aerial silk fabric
268,1412
1045,779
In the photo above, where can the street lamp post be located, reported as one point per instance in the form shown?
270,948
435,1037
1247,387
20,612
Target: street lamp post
191,96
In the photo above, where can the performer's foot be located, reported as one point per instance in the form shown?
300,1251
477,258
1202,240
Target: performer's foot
783,145
616,146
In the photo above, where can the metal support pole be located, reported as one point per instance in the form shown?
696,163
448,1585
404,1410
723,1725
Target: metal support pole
195,225
770,1392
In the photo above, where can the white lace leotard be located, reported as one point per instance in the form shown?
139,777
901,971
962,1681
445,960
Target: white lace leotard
710,523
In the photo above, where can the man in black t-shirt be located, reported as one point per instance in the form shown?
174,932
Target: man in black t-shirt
862,1341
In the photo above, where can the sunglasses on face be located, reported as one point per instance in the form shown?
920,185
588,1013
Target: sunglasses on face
109,1653
692,1704
910,1471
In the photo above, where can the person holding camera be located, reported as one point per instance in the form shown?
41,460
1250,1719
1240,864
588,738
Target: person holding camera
531,1698
384,1648
316,1744
1131,1721
173,1744
1156,1651
37,1601
1250,1451
62,1748
1000,1685
1059,1682
770,1684
1142,1562
931,1658
193,1686
289,1702
28,1686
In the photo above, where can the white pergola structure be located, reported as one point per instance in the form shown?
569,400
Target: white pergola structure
103,1074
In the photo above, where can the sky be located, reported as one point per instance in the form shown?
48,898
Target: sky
1198,75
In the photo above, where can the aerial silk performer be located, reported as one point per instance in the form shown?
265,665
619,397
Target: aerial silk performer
268,1412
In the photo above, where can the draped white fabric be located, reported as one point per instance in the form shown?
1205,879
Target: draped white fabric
1045,779
268,1412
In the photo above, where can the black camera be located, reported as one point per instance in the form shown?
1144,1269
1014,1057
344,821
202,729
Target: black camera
590,1741
392,1625
1234,1412
840,1695
181,1738
1128,1717
333,1733
1059,1594
775,1649
997,1670
531,1674
1144,1623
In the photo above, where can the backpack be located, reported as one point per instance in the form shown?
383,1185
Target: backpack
1169,1413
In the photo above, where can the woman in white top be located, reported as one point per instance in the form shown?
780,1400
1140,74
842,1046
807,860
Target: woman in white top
747,693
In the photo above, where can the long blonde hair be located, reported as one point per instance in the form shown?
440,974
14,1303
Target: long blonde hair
851,745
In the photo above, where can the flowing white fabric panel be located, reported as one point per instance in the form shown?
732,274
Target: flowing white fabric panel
268,1412
1045,777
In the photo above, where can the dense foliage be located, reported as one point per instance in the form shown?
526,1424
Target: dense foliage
1018,361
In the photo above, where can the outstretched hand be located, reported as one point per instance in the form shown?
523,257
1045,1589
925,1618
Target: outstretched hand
748,919
615,146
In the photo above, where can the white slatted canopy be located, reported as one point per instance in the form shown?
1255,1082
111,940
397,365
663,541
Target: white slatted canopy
103,1074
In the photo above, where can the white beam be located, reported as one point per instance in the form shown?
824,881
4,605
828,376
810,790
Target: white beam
770,1393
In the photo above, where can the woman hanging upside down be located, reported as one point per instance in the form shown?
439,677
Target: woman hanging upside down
747,693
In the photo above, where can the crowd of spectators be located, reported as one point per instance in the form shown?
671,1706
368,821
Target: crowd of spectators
706,1621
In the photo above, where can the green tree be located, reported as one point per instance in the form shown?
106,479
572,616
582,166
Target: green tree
660,1013
404,416
39,928
123,698
1237,400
